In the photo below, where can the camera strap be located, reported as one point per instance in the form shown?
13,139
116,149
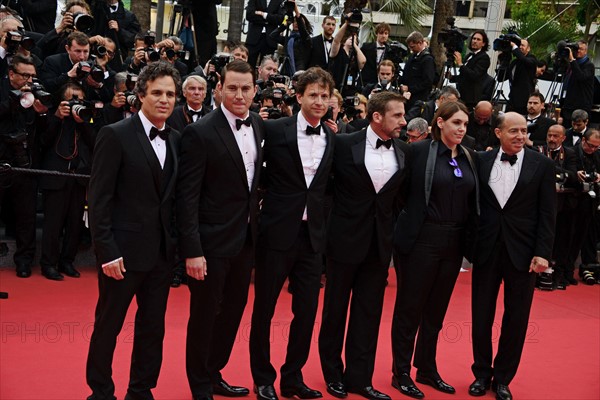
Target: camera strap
65,143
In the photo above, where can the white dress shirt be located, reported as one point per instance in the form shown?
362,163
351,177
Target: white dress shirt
196,117
504,177
246,143
311,149
158,145
381,163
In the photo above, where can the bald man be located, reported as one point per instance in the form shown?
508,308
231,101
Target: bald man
522,77
482,122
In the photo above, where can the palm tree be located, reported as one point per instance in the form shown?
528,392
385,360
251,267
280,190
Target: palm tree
444,9
141,9
236,15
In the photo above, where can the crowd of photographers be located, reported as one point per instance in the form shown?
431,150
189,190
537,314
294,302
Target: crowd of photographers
61,85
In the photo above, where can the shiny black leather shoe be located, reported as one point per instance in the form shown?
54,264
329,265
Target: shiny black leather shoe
370,393
479,387
301,391
406,386
266,392
23,271
337,389
52,274
436,383
69,270
502,391
225,389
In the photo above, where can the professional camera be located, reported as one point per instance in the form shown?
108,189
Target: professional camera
89,68
590,274
82,22
274,112
589,185
219,60
354,21
289,8
562,49
149,41
383,87
98,50
452,38
349,105
183,55
15,39
17,143
39,92
281,79
130,96
85,109
503,42
396,52
561,178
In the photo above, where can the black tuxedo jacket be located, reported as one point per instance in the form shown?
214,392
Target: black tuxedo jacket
180,119
131,199
358,211
318,57
424,156
257,22
53,73
472,76
539,130
579,84
423,110
214,203
526,223
286,192
568,142
129,26
369,71
522,80
419,75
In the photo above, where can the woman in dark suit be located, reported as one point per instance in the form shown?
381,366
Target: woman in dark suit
431,240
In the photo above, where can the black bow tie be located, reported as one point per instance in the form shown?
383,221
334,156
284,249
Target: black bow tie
191,113
386,143
164,134
577,134
328,40
240,122
380,47
532,120
114,8
511,159
313,131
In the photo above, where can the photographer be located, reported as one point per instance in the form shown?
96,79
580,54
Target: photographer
375,53
146,50
579,125
537,124
66,146
386,71
297,46
113,20
321,44
21,117
77,17
419,71
473,70
262,19
7,24
578,84
123,102
194,92
426,110
272,105
522,76
482,123
346,59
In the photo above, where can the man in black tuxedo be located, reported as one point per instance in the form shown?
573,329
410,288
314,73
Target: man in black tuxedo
426,110
217,206
298,155
419,71
578,86
516,233
473,71
321,44
579,125
375,53
537,124
262,19
369,170
194,92
522,78
131,201
482,122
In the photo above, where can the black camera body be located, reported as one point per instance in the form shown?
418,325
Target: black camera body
89,68
350,103
503,42
219,60
452,38
396,52
289,8
16,39
273,79
85,109
274,112
39,92
82,22
562,49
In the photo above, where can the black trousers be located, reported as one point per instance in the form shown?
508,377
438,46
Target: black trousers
583,218
62,209
426,280
259,50
365,282
303,266
518,295
565,216
151,290
216,307
22,193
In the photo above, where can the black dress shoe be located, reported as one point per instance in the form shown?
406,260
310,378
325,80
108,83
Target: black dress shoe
337,389
406,386
370,392
436,383
266,392
301,391
23,271
225,389
572,281
52,274
69,270
479,387
502,391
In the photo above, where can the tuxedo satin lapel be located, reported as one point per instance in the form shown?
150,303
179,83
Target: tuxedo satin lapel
328,150
227,137
400,157
358,156
151,157
259,161
528,171
291,138
172,151
487,165
430,169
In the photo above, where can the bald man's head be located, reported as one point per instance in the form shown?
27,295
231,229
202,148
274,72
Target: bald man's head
483,112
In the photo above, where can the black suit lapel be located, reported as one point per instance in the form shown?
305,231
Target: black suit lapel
358,156
486,166
170,171
258,164
528,171
291,138
228,138
327,154
430,169
151,157
401,161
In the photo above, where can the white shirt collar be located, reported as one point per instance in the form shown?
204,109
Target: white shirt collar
372,139
303,123
147,124
232,117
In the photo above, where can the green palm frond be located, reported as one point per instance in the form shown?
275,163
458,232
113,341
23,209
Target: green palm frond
409,12
543,42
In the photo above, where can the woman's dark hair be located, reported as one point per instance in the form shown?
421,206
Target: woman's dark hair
445,112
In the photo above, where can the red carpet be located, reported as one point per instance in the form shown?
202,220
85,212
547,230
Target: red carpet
45,330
